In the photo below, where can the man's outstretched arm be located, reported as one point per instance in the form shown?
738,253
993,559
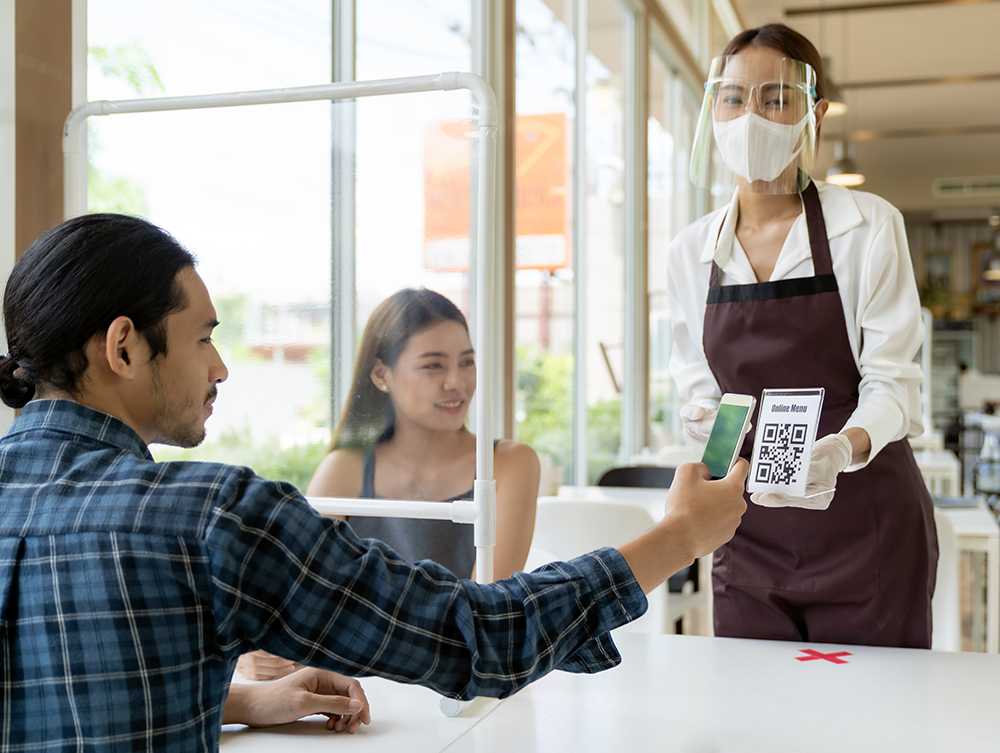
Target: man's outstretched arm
701,515
318,595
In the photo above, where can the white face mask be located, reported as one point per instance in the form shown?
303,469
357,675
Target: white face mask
757,149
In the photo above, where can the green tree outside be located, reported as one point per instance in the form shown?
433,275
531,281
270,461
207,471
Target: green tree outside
132,63
545,408
295,464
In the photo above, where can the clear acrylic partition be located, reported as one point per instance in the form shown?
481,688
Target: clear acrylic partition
571,163
671,207
412,161
545,280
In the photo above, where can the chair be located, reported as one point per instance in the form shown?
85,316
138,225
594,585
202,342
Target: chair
687,602
567,528
941,471
945,607
649,476
678,454
549,477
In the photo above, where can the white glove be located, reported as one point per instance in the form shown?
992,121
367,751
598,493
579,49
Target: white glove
698,423
830,455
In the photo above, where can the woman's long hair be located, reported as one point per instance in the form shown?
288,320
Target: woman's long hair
368,416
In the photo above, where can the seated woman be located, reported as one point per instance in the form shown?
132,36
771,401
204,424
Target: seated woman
402,435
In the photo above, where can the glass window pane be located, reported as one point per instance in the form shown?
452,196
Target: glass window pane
683,15
661,194
718,37
604,242
672,206
246,189
544,297
413,155
412,37
205,46
688,194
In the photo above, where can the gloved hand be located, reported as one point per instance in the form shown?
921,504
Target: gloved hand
830,455
698,423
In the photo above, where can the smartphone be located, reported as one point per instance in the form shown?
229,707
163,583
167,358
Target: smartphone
731,426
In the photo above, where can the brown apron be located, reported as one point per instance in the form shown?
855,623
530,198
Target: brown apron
863,570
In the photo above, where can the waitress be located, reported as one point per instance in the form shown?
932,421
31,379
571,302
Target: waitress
799,284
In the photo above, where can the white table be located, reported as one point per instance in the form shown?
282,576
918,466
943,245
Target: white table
977,530
405,719
689,693
653,499
695,694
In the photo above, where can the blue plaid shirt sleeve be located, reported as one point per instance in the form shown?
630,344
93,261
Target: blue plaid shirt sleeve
305,587
128,588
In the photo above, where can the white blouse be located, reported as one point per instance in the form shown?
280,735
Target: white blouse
872,265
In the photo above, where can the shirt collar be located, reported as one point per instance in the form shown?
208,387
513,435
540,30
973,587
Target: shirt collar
724,219
41,415
840,213
840,210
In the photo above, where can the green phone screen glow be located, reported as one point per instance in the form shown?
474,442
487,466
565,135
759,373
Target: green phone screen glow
725,434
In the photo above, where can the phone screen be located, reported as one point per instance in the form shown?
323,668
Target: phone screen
727,435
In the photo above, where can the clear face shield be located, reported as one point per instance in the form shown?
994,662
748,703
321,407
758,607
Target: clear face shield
760,111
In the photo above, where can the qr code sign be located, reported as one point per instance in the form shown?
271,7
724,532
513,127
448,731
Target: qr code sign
781,447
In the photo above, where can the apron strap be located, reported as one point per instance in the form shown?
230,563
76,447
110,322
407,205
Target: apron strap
818,241
713,279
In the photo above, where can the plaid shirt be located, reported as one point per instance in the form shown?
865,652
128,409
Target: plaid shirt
128,588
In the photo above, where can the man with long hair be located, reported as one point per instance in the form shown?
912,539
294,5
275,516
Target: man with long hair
129,588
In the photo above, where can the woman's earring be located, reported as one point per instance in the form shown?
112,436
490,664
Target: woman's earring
385,388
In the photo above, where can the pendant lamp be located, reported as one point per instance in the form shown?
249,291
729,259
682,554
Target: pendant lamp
844,172
838,104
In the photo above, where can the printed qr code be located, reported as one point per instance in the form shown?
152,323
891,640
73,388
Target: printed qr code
781,447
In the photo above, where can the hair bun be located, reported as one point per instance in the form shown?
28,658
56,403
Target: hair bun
16,389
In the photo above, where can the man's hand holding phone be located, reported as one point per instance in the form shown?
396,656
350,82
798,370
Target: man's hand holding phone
700,515
711,508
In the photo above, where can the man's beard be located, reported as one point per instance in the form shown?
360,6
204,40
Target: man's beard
172,426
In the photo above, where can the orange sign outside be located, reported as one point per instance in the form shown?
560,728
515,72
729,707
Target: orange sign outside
540,185
447,190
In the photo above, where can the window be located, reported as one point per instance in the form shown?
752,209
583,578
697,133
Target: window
246,189
571,231
545,292
684,15
603,245
674,202
304,217
413,155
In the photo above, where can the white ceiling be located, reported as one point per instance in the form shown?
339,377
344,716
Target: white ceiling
892,42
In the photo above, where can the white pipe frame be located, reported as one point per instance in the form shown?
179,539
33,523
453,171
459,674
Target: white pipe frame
480,511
